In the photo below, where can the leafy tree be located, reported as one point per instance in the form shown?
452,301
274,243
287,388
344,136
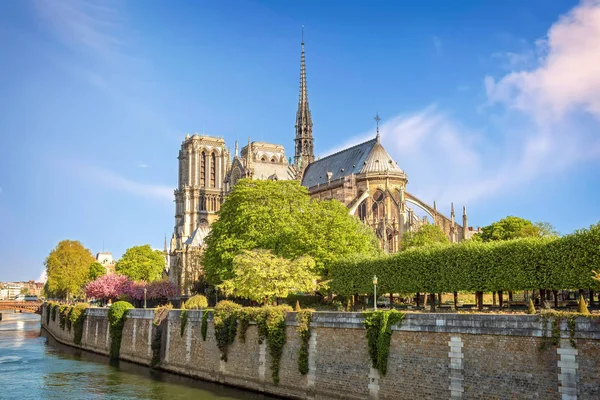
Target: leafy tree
24,291
513,227
280,216
426,235
67,267
141,263
108,287
262,276
96,271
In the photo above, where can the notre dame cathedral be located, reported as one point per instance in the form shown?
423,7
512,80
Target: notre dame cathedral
363,177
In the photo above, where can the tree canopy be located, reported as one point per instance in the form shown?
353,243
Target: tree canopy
280,216
512,227
141,263
426,235
261,276
96,271
67,267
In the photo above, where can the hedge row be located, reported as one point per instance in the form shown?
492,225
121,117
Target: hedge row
523,264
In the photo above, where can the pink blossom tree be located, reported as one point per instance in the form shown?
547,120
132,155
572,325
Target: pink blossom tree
161,290
108,287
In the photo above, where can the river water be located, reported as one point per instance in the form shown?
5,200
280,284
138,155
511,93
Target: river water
36,367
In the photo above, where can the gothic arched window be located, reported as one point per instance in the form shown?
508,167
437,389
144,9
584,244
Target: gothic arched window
202,169
378,205
213,176
362,210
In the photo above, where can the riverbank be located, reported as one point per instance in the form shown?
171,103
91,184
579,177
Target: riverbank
430,355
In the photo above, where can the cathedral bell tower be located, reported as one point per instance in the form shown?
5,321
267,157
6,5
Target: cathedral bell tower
304,153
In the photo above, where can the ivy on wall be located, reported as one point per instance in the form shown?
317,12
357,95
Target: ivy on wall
225,321
303,318
117,314
184,319
379,333
77,317
204,325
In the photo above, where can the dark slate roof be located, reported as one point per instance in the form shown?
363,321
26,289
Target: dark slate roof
343,163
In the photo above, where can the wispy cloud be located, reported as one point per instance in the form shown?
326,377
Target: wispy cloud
142,165
539,128
437,45
119,183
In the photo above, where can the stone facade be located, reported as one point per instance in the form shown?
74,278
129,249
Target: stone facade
432,356
363,177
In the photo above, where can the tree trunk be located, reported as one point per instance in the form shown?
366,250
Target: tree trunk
417,299
555,294
493,299
542,297
432,302
391,300
500,298
510,294
591,297
480,301
439,299
455,295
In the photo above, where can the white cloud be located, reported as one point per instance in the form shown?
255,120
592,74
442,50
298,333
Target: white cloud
567,77
142,165
114,181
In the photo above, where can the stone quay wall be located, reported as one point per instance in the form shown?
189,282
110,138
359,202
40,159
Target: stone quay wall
432,356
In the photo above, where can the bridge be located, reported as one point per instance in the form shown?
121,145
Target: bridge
22,306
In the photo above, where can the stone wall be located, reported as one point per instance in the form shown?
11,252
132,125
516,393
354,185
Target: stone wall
432,356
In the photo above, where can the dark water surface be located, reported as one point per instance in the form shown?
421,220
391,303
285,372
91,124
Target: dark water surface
36,367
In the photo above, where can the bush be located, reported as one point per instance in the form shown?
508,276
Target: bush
77,318
531,307
63,311
117,314
379,333
582,306
197,302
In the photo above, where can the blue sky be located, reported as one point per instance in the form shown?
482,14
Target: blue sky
491,104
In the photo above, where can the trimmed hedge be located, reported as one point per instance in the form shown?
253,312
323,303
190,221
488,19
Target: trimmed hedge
523,264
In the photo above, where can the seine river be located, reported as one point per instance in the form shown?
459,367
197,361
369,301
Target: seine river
35,367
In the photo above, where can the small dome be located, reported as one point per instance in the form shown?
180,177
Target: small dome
379,161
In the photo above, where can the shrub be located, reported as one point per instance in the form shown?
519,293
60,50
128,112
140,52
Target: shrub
271,325
582,306
303,318
77,318
197,302
204,326
117,314
63,310
225,321
531,308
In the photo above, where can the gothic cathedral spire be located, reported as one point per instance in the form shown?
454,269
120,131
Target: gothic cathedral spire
304,140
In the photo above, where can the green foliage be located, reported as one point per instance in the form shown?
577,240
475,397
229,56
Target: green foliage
96,271
303,318
225,322
531,307
77,318
67,267
557,318
271,325
197,302
245,316
521,264
49,311
204,326
582,306
141,263
184,318
427,235
379,333
280,216
261,276
513,227
155,346
117,313
54,309
63,311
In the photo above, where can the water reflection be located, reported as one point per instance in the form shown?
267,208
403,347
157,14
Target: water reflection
34,367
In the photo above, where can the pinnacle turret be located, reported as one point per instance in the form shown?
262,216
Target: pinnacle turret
304,140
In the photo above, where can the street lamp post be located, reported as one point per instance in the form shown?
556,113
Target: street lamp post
144,297
375,292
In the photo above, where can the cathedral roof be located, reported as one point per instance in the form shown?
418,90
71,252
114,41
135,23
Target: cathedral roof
268,170
198,236
367,157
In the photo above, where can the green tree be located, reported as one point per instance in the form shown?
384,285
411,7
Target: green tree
67,267
261,276
509,228
546,230
280,216
141,263
96,271
426,235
